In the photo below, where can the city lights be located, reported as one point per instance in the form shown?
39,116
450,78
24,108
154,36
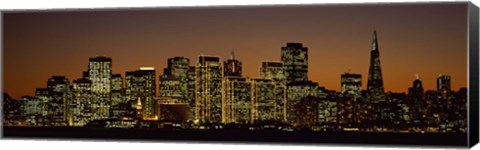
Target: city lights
212,94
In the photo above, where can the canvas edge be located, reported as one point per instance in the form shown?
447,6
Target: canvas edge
473,88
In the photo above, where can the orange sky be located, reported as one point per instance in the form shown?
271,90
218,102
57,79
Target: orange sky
428,39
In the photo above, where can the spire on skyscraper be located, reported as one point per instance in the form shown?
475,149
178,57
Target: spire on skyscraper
374,41
232,57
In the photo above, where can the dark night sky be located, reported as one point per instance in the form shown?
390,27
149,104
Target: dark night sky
424,39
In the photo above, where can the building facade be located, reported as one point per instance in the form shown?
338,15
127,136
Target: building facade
140,84
208,89
100,74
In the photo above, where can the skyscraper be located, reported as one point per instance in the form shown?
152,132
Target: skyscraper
117,89
232,67
174,82
82,102
295,60
351,84
444,90
264,101
208,89
274,72
236,105
59,90
443,83
140,84
375,80
178,82
100,73
416,91
416,100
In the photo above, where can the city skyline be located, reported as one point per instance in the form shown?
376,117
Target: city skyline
324,50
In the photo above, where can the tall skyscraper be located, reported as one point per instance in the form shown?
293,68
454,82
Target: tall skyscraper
82,102
275,73
443,83
59,90
140,84
375,80
208,90
236,105
351,84
178,82
416,100
444,90
100,74
416,91
117,89
43,94
173,82
264,101
295,60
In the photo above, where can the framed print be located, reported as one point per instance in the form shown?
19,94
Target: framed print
375,74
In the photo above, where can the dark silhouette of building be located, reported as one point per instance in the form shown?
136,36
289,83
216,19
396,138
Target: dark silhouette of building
232,67
443,85
416,91
375,79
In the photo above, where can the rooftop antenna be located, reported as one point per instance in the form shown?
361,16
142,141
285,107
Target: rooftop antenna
232,57
416,76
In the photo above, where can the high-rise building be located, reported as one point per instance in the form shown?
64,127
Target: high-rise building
443,84
43,94
295,60
232,67
178,82
351,84
59,110
416,100
140,84
375,79
264,98
82,102
275,73
100,74
416,91
117,89
236,104
174,80
208,90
